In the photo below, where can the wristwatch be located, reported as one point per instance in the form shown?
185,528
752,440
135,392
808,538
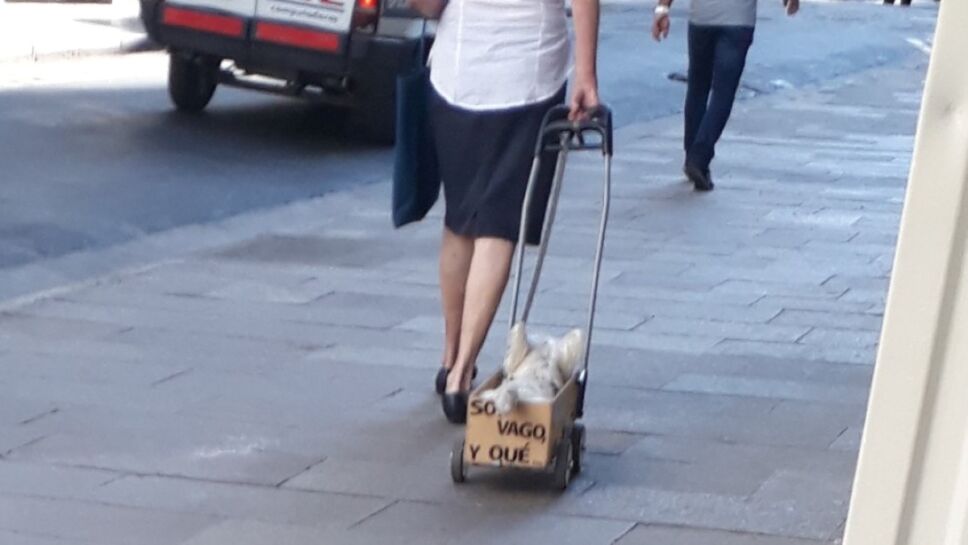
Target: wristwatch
661,10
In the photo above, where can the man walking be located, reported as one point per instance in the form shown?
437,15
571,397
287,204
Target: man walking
720,34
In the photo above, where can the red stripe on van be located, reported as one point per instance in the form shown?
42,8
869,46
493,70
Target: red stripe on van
297,37
205,22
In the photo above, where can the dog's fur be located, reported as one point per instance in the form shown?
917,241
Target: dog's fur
535,370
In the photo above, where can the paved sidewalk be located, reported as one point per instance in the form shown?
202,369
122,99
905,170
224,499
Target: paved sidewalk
279,390
32,31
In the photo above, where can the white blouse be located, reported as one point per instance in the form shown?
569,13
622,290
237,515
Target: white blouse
497,54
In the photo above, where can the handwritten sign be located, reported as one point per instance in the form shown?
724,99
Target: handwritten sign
517,439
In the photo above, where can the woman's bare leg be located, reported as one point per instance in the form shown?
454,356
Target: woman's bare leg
455,263
486,281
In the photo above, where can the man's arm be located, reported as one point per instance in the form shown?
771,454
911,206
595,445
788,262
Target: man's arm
431,9
792,6
660,22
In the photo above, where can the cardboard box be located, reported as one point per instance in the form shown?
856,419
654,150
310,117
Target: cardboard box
524,438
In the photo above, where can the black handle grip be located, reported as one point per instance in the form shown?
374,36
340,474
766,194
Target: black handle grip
556,125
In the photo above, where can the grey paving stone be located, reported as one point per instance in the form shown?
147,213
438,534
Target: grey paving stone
708,511
190,447
822,305
865,282
87,369
849,440
724,329
226,317
424,476
321,250
541,318
17,538
41,329
193,349
784,275
777,389
842,338
45,480
820,502
250,532
609,443
722,456
653,369
668,535
858,356
632,469
685,281
17,410
13,437
96,523
422,358
64,396
69,348
478,525
267,504
842,320
647,340
817,291
864,296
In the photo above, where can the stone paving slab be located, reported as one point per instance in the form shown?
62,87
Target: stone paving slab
278,389
665,535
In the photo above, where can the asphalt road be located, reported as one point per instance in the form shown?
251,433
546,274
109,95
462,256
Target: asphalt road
92,155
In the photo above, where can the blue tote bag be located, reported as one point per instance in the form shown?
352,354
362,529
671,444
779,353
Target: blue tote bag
416,175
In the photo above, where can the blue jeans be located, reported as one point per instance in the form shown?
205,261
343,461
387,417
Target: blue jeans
717,57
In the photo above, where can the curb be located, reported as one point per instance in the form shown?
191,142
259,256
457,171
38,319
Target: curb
139,44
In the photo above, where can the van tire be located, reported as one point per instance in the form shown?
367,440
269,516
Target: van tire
191,81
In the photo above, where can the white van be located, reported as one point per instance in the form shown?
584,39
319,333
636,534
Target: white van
341,52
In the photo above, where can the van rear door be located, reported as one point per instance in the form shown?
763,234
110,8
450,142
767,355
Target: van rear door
214,27
312,25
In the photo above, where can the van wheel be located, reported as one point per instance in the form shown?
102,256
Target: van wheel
191,81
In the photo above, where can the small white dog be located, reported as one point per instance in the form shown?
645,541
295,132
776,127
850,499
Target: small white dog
536,369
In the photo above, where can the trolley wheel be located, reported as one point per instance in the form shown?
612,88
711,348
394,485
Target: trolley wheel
563,462
577,448
191,81
458,472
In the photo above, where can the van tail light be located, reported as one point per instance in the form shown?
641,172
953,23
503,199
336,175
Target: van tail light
366,13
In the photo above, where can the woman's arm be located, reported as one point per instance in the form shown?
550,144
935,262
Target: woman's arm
431,9
585,14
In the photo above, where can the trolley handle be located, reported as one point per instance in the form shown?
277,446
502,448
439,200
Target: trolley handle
558,131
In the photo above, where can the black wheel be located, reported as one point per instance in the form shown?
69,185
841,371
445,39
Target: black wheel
577,448
458,472
191,81
563,462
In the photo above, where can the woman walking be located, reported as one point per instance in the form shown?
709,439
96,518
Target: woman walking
497,66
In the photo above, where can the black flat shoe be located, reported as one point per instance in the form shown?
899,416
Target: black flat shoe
455,407
701,179
440,383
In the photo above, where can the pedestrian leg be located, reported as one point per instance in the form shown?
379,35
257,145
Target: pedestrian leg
487,278
701,52
732,46
455,263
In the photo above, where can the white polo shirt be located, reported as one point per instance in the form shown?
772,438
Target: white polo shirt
498,54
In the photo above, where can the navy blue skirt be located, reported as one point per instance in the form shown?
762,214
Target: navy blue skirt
485,161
